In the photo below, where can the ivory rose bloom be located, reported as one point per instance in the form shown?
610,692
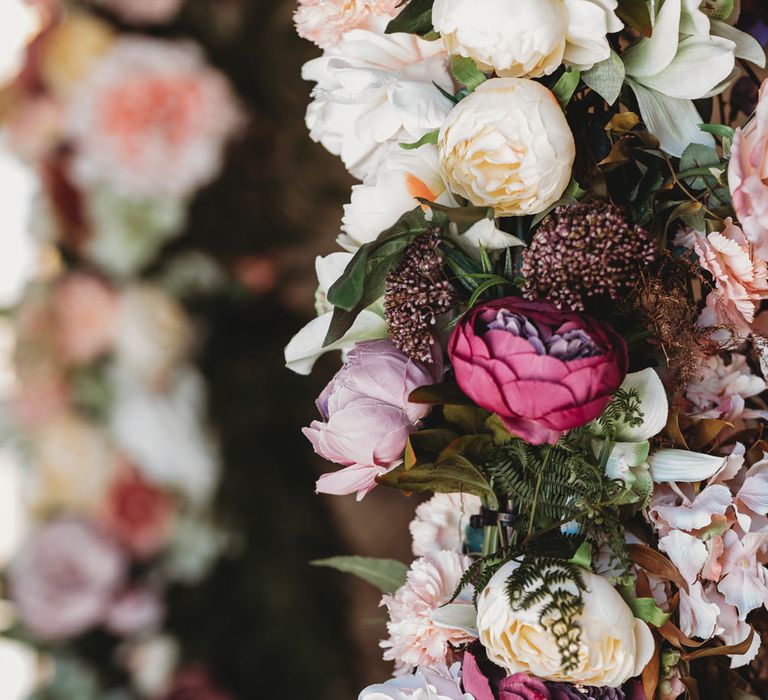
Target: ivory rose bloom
508,146
367,416
527,38
613,648
374,90
324,22
748,176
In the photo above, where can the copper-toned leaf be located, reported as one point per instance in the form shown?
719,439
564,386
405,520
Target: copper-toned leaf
656,563
673,432
737,649
692,687
674,635
705,432
651,673
622,123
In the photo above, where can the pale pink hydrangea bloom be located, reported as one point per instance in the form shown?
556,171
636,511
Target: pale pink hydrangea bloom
748,176
142,11
440,523
324,22
151,120
415,638
718,540
741,278
723,388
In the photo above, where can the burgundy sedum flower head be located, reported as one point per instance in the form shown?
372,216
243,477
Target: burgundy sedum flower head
543,371
585,251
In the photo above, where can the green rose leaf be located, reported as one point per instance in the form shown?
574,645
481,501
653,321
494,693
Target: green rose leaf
465,70
699,157
386,574
646,609
416,18
606,78
566,86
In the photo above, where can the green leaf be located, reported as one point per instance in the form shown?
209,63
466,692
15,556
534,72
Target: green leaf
566,86
646,609
636,14
465,70
583,556
698,156
717,9
416,18
440,394
469,419
606,78
429,137
721,130
386,574
453,474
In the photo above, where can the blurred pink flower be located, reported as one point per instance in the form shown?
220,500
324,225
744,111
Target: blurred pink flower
415,639
741,278
84,312
34,127
135,611
142,11
151,119
65,578
722,389
748,176
324,22
367,416
140,514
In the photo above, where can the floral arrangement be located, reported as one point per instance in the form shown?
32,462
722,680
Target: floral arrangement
549,303
109,416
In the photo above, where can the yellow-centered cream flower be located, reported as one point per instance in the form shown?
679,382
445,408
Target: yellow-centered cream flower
614,646
508,146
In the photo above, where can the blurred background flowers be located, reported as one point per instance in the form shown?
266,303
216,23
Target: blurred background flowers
161,208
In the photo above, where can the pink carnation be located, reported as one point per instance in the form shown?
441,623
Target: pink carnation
741,278
142,11
415,637
85,310
324,22
440,522
748,176
152,119
723,388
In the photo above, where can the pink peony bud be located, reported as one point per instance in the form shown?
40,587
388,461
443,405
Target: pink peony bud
367,416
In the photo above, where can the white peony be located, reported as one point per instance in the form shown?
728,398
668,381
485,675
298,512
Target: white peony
441,521
373,90
614,645
527,38
508,146
428,683
389,193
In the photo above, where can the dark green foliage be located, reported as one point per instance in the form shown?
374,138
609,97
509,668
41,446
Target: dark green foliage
624,408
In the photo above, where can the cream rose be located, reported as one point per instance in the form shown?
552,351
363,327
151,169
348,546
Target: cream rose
508,146
614,645
527,38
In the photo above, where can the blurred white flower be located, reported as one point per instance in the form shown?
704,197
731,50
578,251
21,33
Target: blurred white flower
142,11
163,433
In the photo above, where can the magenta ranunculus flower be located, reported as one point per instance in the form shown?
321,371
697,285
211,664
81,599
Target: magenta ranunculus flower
542,370
367,416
